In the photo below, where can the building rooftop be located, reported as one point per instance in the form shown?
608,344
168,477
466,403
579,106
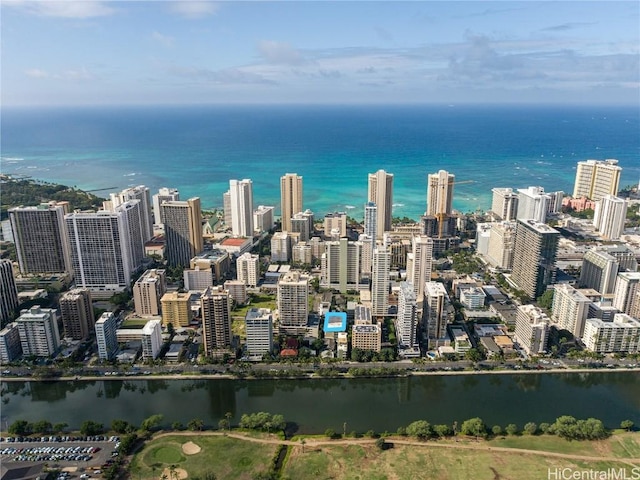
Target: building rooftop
335,322
234,242
366,328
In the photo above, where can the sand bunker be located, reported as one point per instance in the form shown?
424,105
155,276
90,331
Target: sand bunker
179,474
190,448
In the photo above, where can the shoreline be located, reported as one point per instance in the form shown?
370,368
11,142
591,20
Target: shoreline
312,376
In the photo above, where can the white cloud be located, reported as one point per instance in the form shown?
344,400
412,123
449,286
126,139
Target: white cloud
280,53
62,9
194,10
36,73
81,74
165,40
78,74
229,76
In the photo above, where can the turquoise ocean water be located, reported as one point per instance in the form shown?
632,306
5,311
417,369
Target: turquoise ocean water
198,149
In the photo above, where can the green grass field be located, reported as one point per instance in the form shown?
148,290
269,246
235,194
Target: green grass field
404,462
225,457
256,301
234,459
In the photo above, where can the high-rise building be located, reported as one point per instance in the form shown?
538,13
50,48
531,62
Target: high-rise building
599,271
106,338
8,292
248,269
263,218
595,179
371,220
216,320
302,223
340,265
533,204
140,193
502,239
483,235
183,230
620,336
367,245
532,329
335,225
151,340
41,239
626,296
434,311
380,281
609,216
176,309
407,318
259,329
77,315
164,195
148,291
197,278
301,253
241,198
281,247
293,300
505,203
237,291
570,309
534,259
440,193
419,263
106,248
290,198
226,205
10,345
39,334
380,192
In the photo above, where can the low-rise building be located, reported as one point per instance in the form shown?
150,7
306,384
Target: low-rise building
620,336
472,297
366,337
176,309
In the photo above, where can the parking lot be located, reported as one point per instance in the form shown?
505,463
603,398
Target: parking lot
71,454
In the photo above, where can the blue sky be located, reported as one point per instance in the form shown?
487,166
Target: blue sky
116,52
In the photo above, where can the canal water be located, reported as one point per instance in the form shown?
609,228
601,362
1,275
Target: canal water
314,405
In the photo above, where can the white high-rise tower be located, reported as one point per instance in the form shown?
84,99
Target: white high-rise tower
241,198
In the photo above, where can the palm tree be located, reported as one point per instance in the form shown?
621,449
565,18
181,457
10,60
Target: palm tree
228,416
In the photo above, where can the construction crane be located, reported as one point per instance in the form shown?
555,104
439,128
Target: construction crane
441,214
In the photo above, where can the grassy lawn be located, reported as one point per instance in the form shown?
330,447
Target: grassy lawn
623,445
226,457
255,301
410,462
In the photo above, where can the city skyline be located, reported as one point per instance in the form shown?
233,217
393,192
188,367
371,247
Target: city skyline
319,52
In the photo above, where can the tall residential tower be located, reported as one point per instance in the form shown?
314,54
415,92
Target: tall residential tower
290,198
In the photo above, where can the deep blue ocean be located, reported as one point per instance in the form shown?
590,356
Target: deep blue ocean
198,149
